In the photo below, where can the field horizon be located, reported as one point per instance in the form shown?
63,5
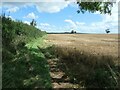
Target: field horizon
100,43
80,33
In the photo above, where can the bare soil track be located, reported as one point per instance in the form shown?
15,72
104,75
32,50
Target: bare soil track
59,79
105,44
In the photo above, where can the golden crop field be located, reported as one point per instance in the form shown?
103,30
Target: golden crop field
105,44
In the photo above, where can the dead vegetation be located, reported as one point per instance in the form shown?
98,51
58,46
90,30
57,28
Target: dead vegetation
89,69
93,43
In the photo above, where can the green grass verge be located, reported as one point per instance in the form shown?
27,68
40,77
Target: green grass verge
36,42
28,69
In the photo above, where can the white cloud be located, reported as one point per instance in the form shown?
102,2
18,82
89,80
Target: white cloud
51,7
26,22
11,18
31,16
12,9
44,24
80,23
111,21
52,28
94,27
97,12
73,24
37,0
107,21
14,4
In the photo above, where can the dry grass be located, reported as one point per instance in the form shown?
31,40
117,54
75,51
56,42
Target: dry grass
87,69
105,44
87,58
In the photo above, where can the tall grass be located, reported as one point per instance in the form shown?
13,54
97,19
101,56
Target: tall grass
88,70
23,65
28,69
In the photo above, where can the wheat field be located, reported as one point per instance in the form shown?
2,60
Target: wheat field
98,44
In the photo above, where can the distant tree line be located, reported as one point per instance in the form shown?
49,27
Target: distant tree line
73,31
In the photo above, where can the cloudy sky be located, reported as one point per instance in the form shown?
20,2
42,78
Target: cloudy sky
60,16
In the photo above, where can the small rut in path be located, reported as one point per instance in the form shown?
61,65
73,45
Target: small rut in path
59,79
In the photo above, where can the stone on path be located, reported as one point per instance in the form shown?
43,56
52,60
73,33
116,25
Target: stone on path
59,79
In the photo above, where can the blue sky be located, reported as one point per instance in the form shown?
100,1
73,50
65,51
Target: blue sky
61,16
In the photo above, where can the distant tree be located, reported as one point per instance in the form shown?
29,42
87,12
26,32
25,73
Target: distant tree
73,31
33,23
107,31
